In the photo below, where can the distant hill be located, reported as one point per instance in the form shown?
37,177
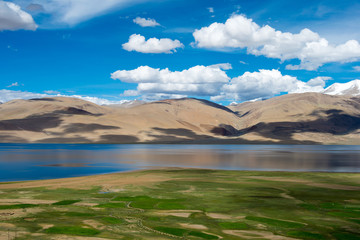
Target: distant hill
311,118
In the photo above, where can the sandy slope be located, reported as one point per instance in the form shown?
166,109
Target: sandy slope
74,120
295,118
310,117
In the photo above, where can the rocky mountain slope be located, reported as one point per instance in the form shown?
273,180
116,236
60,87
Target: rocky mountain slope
312,118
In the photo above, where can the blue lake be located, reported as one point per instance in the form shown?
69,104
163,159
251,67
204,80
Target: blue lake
46,161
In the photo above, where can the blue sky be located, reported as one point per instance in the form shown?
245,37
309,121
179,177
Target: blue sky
76,47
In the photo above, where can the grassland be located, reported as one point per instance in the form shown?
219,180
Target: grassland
184,204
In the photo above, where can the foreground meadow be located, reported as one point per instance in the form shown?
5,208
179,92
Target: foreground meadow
184,204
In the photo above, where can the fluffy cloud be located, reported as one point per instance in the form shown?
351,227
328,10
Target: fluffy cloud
8,95
312,50
96,100
152,45
198,80
318,81
13,18
213,81
146,22
206,81
263,84
223,66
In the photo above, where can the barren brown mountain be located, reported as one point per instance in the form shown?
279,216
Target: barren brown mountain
297,118
305,117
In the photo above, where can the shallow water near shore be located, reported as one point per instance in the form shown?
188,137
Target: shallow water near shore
47,161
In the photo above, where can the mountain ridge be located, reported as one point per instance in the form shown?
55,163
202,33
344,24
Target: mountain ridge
311,118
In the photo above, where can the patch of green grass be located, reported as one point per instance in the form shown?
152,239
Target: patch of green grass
346,236
202,235
346,214
153,219
355,220
144,204
310,207
111,205
275,222
307,194
169,205
233,225
331,205
132,199
174,231
65,202
305,235
72,230
104,195
18,206
338,206
79,214
112,220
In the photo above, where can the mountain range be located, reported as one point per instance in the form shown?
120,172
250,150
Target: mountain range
305,118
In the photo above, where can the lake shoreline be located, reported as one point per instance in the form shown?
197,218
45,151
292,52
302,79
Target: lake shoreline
100,175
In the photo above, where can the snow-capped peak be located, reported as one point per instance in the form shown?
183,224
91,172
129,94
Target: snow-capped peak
351,88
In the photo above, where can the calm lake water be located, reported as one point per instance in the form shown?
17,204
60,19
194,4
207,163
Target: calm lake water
45,161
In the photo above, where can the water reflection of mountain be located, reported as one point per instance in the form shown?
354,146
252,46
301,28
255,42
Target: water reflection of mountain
28,161
260,159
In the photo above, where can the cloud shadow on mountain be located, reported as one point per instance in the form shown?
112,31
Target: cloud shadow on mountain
333,121
113,138
82,127
32,123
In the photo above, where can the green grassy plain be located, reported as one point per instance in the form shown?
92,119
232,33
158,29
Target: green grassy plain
184,204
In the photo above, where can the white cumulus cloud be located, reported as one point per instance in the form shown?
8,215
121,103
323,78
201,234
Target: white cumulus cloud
198,80
223,66
263,84
312,50
213,81
318,81
13,18
8,95
149,22
152,45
